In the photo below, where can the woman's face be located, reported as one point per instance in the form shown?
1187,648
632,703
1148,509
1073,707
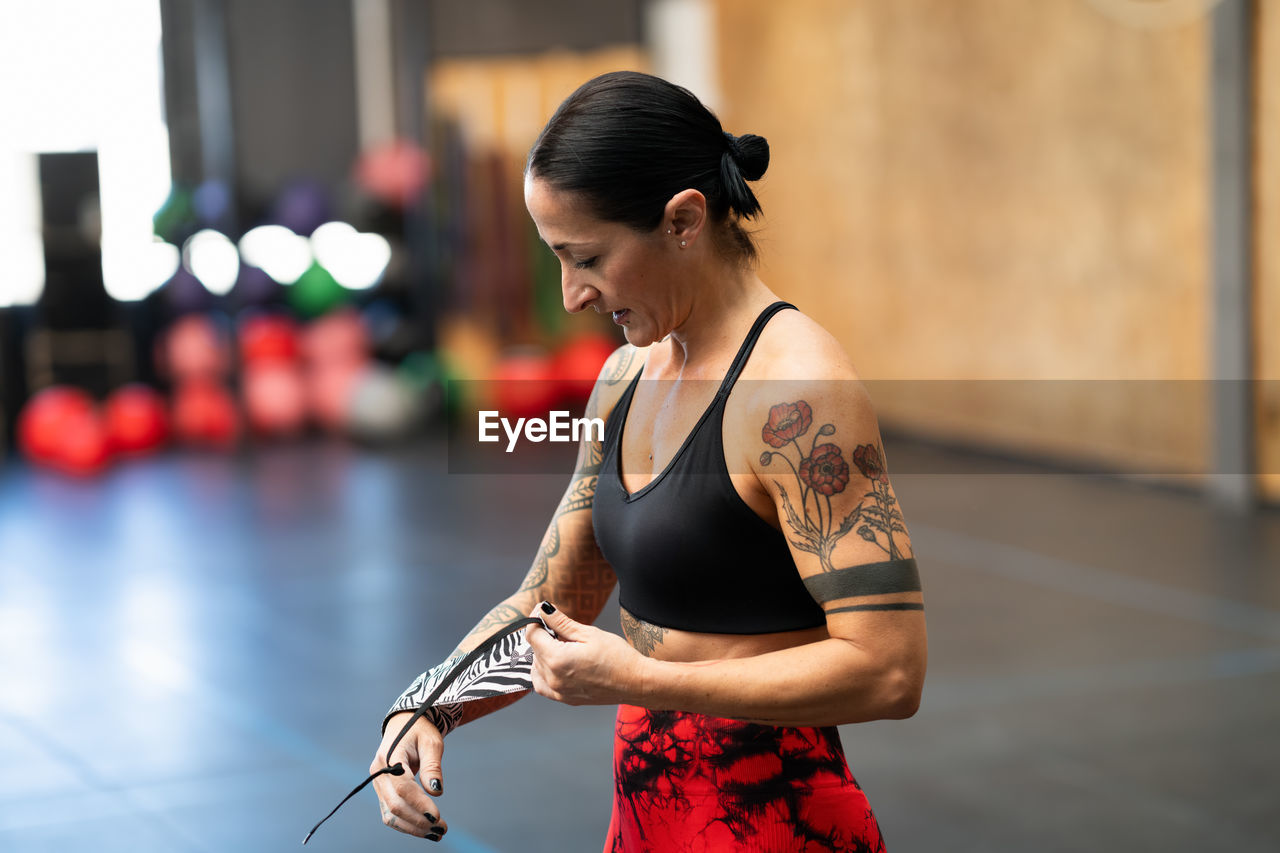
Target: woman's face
605,265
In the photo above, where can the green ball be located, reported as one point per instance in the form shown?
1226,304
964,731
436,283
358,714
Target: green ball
421,369
429,374
176,216
316,292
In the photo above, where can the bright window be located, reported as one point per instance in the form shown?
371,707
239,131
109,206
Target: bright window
82,75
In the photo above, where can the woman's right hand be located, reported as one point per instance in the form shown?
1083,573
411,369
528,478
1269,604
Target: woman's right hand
402,800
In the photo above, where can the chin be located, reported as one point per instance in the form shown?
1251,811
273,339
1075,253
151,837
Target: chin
635,337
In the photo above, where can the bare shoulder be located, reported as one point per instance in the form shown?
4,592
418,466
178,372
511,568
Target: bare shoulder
798,394
795,346
797,358
803,426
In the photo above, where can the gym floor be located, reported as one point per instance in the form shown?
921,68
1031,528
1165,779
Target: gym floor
197,651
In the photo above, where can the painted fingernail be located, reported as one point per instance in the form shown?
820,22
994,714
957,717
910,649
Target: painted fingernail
547,607
435,836
434,786
429,816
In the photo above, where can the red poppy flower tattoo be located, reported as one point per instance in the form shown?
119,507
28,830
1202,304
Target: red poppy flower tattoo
867,458
786,421
823,472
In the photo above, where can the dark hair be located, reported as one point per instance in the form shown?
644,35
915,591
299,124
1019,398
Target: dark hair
627,142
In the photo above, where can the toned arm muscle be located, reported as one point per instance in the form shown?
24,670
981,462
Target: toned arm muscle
568,568
822,464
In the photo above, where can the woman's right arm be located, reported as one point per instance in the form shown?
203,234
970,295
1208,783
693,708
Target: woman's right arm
568,569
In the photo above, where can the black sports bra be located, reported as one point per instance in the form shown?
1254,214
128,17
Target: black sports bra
688,551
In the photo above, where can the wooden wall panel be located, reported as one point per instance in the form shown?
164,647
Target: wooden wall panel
1267,243
992,189
505,287
502,102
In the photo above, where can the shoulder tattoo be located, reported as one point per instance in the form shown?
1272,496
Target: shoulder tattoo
617,367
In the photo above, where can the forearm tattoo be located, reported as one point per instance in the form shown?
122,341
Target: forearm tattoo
498,617
569,561
822,473
583,590
591,452
580,495
643,636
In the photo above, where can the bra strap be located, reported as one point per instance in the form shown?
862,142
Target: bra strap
744,352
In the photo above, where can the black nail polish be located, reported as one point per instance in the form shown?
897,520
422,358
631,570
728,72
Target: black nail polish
435,836
547,607
434,786
429,816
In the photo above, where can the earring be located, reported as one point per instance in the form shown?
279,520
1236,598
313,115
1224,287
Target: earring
668,230
683,244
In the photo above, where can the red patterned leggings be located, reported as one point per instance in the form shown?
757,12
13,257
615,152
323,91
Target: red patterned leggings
688,783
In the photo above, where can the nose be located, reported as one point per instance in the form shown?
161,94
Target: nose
577,295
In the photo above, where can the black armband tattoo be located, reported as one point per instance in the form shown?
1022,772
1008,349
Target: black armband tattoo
882,578
888,605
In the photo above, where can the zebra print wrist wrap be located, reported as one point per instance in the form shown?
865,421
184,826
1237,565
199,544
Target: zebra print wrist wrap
503,668
501,664
445,717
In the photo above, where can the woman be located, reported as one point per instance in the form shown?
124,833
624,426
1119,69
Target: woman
739,498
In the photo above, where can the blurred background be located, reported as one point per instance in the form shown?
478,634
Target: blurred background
259,259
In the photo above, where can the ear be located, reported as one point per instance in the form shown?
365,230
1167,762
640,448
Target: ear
686,215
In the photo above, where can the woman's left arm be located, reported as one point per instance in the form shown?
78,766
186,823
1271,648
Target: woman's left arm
820,460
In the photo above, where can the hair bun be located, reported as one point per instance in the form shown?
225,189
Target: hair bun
744,158
751,153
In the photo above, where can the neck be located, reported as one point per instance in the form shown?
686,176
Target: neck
722,305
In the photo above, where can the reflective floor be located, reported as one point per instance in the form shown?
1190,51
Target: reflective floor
197,651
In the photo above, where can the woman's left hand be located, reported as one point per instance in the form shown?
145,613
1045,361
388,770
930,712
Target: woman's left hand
582,665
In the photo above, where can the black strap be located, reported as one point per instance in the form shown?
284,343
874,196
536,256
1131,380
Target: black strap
744,351
398,769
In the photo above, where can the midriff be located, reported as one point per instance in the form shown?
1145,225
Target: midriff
688,646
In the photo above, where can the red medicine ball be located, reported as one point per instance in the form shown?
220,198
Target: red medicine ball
43,419
204,413
137,420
